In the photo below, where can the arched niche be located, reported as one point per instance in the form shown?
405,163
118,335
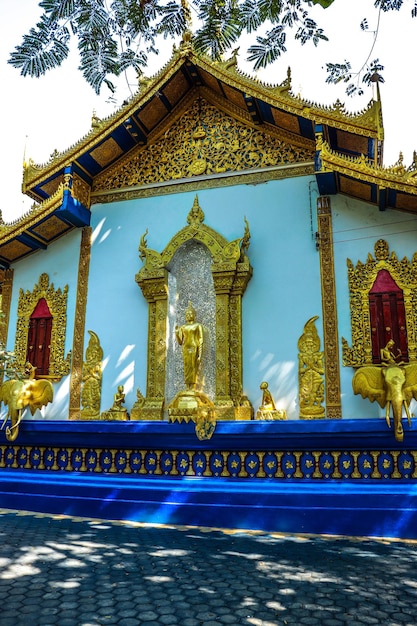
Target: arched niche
230,273
54,301
378,275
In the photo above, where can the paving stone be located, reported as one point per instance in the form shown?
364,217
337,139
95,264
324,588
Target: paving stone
168,618
226,580
147,616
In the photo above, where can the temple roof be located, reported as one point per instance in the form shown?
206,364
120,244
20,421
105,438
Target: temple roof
344,149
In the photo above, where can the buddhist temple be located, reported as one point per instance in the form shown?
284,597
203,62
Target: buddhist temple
212,306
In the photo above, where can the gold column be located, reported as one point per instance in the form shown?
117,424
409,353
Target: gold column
223,281
79,324
155,291
329,308
6,278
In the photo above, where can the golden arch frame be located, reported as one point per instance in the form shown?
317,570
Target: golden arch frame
360,279
231,273
59,365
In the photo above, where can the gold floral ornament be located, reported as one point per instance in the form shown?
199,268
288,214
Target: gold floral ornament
310,373
56,299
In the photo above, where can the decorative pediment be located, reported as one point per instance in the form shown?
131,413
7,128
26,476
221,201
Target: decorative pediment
203,141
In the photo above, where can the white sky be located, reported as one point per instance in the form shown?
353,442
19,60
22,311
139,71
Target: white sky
54,112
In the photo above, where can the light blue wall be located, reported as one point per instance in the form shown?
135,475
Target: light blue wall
283,294
60,262
356,228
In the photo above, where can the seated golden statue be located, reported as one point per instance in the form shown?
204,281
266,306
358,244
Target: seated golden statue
119,399
268,410
117,411
387,354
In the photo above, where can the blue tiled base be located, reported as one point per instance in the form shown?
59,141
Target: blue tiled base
343,477
339,508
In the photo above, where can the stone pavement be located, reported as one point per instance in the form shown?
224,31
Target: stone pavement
63,571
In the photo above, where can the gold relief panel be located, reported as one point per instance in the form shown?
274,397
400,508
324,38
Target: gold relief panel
286,120
56,299
81,190
176,88
50,228
14,250
352,143
106,152
152,114
51,187
234,96
355,187
205,141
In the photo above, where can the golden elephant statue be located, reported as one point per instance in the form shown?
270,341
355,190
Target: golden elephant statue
20,394
390,385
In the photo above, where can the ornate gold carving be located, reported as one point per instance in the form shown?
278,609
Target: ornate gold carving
106,152
216,144
329,309
310,372
209,463
51,228
366,122
59,365
91,379
231,272
360,281
79,323
81,190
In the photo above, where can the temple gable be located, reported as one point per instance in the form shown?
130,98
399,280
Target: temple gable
204,141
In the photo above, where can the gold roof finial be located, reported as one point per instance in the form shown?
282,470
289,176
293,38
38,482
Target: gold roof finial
187,14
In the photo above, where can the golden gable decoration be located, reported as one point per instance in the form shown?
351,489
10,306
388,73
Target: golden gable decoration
203,141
